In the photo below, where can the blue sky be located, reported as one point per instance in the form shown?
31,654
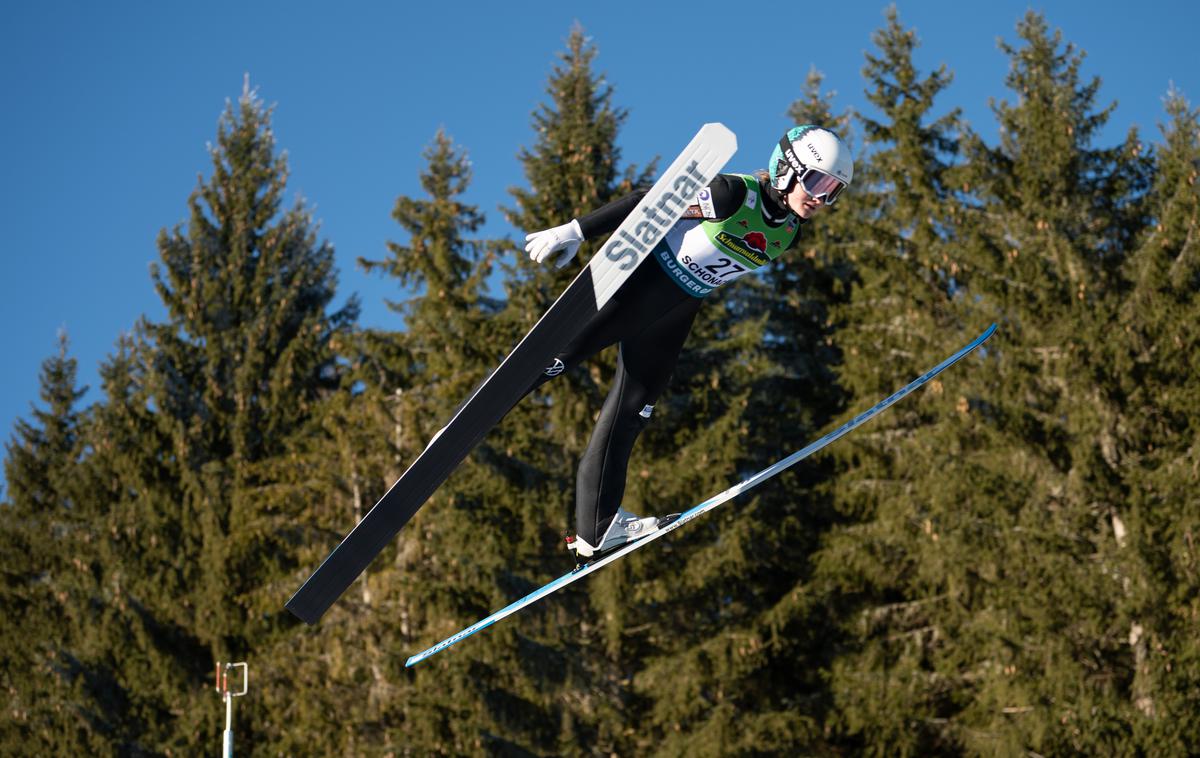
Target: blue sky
107,109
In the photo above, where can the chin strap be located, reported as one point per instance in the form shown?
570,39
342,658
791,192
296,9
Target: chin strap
776,199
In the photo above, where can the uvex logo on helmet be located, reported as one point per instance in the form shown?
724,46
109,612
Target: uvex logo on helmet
796,164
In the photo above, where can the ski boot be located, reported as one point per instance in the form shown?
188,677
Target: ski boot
625,528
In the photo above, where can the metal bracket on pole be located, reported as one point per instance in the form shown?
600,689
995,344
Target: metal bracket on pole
228,695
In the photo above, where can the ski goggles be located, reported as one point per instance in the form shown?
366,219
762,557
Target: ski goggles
820,185
815,182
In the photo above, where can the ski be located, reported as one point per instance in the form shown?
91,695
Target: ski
608,269
707,505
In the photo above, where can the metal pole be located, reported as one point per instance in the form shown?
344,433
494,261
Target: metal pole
228,696
227,744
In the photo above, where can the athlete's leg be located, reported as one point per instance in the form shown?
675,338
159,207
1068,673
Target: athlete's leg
644,364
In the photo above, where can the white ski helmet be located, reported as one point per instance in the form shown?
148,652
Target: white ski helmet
809,147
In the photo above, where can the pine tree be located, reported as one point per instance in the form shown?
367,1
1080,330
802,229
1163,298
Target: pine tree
39,458
199,411
450,271
997,600
1154,364
246,351
464,537
47,701
145,670
1057,220
459,557
899,319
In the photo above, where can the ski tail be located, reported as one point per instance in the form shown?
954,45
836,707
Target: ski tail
712,502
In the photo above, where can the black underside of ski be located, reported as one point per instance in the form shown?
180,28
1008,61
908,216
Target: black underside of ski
476,418
628,246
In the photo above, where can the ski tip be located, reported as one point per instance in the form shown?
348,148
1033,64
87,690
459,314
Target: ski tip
716,131
978,341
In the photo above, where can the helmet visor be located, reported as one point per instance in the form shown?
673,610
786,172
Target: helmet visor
820,185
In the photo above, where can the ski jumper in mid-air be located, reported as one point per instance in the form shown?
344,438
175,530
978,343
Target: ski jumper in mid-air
739,223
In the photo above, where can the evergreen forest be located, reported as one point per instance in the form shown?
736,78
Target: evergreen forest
1002,564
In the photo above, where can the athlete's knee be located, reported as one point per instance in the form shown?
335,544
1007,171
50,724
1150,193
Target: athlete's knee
631,421
637,403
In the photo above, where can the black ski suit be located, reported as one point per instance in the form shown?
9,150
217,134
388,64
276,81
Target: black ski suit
649,319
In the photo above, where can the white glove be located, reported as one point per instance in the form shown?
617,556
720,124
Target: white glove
566,238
